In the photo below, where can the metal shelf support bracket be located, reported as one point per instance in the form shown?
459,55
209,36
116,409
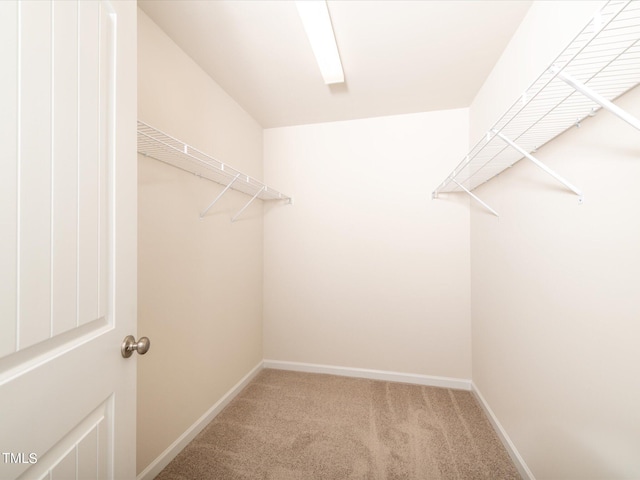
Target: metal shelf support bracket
596,97
541,165
248,203
476,198
220,195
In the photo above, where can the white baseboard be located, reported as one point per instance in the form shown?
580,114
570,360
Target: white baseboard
518,461
432,381
155,467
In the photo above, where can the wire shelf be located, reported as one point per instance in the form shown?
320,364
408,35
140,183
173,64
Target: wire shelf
604,56
156,144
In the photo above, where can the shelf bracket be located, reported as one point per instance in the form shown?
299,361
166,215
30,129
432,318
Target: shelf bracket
248,203
596,97
540,164
219,195
476,198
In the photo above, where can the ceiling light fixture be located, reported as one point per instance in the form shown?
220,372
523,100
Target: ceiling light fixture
317,24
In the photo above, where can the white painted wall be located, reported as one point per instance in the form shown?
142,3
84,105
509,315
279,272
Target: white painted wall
365,270
555,290
200,282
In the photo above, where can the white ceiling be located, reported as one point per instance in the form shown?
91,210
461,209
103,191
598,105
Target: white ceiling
398,56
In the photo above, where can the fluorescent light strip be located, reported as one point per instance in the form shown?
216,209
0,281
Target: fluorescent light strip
317,24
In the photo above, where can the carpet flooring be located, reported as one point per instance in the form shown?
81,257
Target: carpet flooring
300,426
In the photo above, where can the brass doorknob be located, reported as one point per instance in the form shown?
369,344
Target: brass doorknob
129,345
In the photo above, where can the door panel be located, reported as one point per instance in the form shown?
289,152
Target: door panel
89,149
34,173
68,239
82,454
61,168
8,175
64,195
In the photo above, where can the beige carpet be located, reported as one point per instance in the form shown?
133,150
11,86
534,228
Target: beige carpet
298,426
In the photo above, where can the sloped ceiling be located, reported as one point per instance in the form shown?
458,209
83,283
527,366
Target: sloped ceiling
398,56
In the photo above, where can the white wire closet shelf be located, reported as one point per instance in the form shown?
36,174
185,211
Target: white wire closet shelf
156,144
601,63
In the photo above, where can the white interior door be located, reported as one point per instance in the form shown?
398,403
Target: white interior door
67,238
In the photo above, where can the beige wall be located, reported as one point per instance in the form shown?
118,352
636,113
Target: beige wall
365,270
555,289
200,282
